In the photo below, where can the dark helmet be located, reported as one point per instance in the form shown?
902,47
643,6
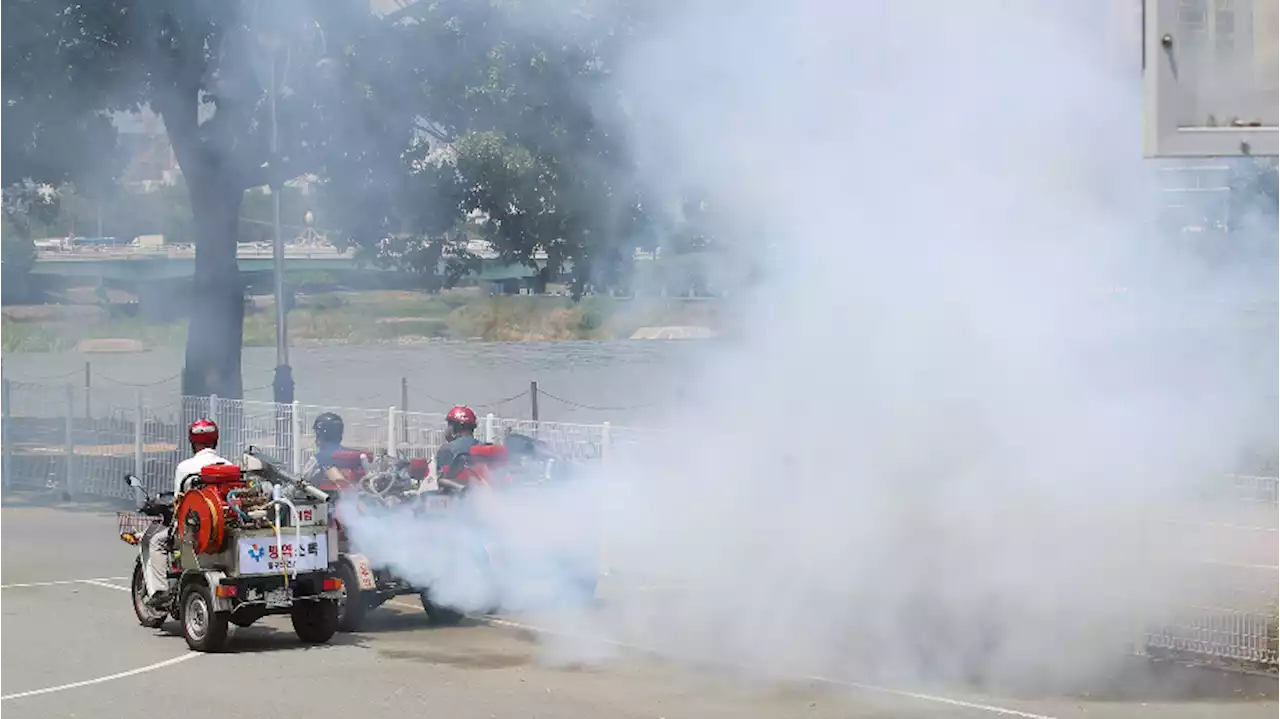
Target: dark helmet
328,428
461,417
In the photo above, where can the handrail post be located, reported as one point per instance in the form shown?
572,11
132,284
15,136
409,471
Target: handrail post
68,474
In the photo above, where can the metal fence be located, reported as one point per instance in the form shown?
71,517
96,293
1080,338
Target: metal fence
82,441
1229,602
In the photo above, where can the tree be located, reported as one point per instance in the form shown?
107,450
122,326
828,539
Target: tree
516,122
17,257
207,69
54,96
53,120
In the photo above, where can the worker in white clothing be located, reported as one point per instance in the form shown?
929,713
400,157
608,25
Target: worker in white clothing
203,434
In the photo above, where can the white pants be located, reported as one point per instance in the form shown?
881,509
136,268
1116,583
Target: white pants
154,558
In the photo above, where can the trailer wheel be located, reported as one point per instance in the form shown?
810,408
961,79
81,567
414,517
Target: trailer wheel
204,629
315,621
354,604
147,617
439,614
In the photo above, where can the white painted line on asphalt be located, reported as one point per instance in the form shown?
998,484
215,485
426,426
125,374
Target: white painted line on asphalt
932,698
57,583
99,680
990,709
97,583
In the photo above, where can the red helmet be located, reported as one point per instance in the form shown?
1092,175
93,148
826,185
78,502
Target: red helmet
203,434
461,415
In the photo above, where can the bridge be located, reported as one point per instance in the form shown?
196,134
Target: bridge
131,263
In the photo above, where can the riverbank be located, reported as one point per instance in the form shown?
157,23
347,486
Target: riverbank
623,382
373,318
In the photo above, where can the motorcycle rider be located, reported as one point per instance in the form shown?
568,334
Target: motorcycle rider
328,431
459,438
203,436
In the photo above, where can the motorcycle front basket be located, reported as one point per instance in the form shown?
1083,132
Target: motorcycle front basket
134,523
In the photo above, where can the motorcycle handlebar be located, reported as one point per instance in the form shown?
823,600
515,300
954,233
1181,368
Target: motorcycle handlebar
153,508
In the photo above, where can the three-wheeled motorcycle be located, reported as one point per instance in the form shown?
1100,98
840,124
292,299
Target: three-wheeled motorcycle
240,544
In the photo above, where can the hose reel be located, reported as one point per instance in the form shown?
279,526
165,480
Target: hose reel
201,518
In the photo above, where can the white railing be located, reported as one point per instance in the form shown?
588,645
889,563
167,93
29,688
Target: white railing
1228,603
83,441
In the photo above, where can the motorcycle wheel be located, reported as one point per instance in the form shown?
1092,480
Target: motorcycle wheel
147,617
354,604
204,629
315,622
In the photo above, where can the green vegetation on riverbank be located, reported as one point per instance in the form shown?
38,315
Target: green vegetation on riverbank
379,317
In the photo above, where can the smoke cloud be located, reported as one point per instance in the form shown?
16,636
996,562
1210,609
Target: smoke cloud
973,379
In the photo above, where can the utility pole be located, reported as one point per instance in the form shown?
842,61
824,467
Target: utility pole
282,384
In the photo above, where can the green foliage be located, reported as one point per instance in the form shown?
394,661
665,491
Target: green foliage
17,257
589,320
513,120
325,302
55,92
29,209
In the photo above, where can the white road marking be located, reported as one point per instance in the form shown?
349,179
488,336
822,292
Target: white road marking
102,582
99,680
57,583
97,583
931,698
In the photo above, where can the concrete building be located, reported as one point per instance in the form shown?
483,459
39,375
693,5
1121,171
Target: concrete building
1232,73
1266,54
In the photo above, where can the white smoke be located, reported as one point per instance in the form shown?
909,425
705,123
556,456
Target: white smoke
934,454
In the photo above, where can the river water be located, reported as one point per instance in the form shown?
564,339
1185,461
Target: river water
625,382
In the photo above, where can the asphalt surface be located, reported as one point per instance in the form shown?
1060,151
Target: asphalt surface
72,648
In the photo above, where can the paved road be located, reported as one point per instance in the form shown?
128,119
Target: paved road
71,648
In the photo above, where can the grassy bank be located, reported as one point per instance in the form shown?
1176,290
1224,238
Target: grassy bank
378,317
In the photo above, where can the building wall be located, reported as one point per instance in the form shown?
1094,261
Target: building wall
1266,54
1229,66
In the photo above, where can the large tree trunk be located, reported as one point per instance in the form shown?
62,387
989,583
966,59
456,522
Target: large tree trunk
217,299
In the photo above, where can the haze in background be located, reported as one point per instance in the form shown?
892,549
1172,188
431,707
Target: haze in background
935,455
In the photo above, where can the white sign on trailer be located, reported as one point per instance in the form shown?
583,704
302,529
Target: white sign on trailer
261,555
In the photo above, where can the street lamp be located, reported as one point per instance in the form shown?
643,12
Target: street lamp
282,383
